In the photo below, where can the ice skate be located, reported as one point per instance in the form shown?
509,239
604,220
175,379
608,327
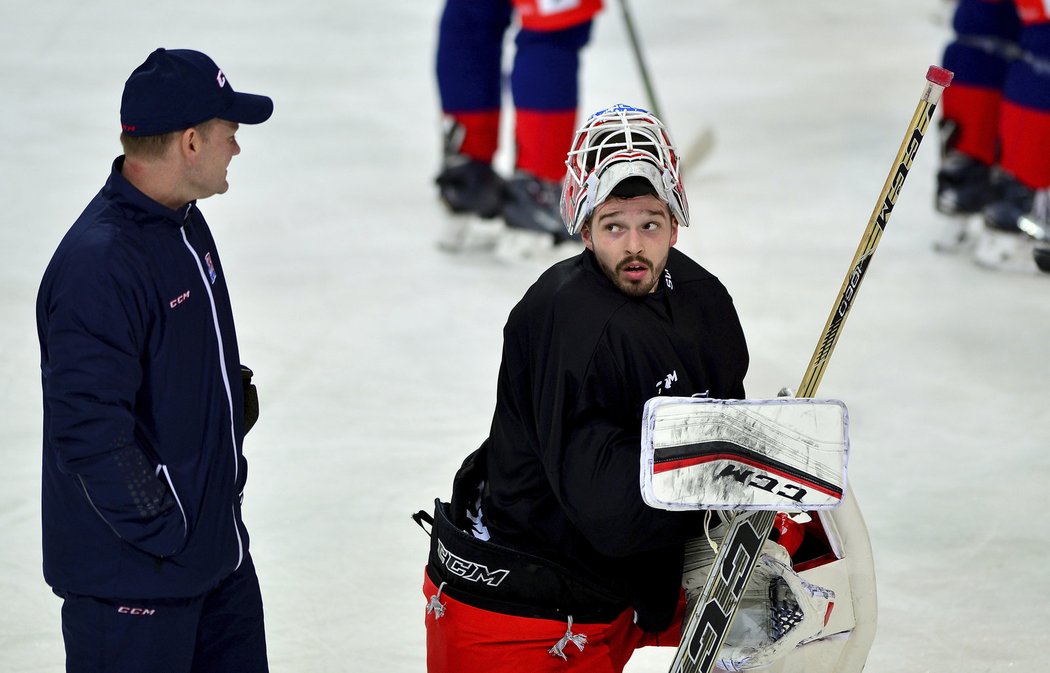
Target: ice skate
467,185
1013,227
473,193
534,224
1004,251
964,188
1041,256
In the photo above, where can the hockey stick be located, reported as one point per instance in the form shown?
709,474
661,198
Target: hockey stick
712,614
704,143
639,58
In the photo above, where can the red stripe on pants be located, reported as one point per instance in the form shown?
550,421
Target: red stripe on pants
976,110
543,140
1025,135
1033,11
535,17
480,133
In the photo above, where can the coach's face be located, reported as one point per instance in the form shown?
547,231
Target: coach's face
210,147
631,239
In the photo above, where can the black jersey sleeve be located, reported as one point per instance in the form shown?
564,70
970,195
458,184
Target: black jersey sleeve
594,469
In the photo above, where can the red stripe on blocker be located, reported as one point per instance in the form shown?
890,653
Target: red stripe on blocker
671,465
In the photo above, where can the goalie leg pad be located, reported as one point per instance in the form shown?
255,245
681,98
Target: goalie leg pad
779,610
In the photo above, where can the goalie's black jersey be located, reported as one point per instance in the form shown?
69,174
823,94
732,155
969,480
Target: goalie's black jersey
580,359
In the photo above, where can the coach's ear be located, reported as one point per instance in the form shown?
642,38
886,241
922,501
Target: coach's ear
189,142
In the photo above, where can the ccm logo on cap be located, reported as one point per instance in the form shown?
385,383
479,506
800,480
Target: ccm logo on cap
221,79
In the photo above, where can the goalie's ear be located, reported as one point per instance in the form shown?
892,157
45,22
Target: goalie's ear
784,454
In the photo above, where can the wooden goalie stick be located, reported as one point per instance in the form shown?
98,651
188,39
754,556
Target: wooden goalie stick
711,616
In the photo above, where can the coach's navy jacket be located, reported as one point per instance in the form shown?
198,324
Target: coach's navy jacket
143,405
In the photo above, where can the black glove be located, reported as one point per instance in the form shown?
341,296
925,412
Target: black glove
251,399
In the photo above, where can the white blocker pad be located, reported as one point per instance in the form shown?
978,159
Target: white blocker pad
784,454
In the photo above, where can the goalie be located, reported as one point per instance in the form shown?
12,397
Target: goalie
547,558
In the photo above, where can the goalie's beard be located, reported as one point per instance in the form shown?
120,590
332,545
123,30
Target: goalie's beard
632,288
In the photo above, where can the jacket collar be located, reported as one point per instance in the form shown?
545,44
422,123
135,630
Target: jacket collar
119,186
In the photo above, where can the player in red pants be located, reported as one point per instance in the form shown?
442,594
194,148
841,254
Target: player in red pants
996,118
544,87
566,568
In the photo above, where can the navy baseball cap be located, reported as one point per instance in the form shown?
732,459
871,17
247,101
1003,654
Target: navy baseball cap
175,89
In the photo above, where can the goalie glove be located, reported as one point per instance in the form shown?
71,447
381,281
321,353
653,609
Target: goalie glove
779,609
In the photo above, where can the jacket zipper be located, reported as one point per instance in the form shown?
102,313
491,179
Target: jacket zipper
222,368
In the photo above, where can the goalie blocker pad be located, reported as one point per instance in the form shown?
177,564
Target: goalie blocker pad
784,454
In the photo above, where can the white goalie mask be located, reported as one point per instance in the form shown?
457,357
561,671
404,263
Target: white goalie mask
614,144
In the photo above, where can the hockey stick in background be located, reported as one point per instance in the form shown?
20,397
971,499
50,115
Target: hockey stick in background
643,69
711,616
705,142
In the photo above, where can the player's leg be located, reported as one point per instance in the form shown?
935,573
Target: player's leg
103,635
230,633
469,77
985,40
1023,207
545,87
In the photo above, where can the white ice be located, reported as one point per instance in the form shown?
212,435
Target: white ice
376,354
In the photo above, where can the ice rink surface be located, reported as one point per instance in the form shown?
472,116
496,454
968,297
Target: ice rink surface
376,354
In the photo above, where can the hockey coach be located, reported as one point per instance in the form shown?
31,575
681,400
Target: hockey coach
145,401
546,558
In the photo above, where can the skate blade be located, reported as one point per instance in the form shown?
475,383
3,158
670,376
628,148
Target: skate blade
469,233
956,234
1004,251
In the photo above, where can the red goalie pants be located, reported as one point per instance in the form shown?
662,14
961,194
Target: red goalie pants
467,639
